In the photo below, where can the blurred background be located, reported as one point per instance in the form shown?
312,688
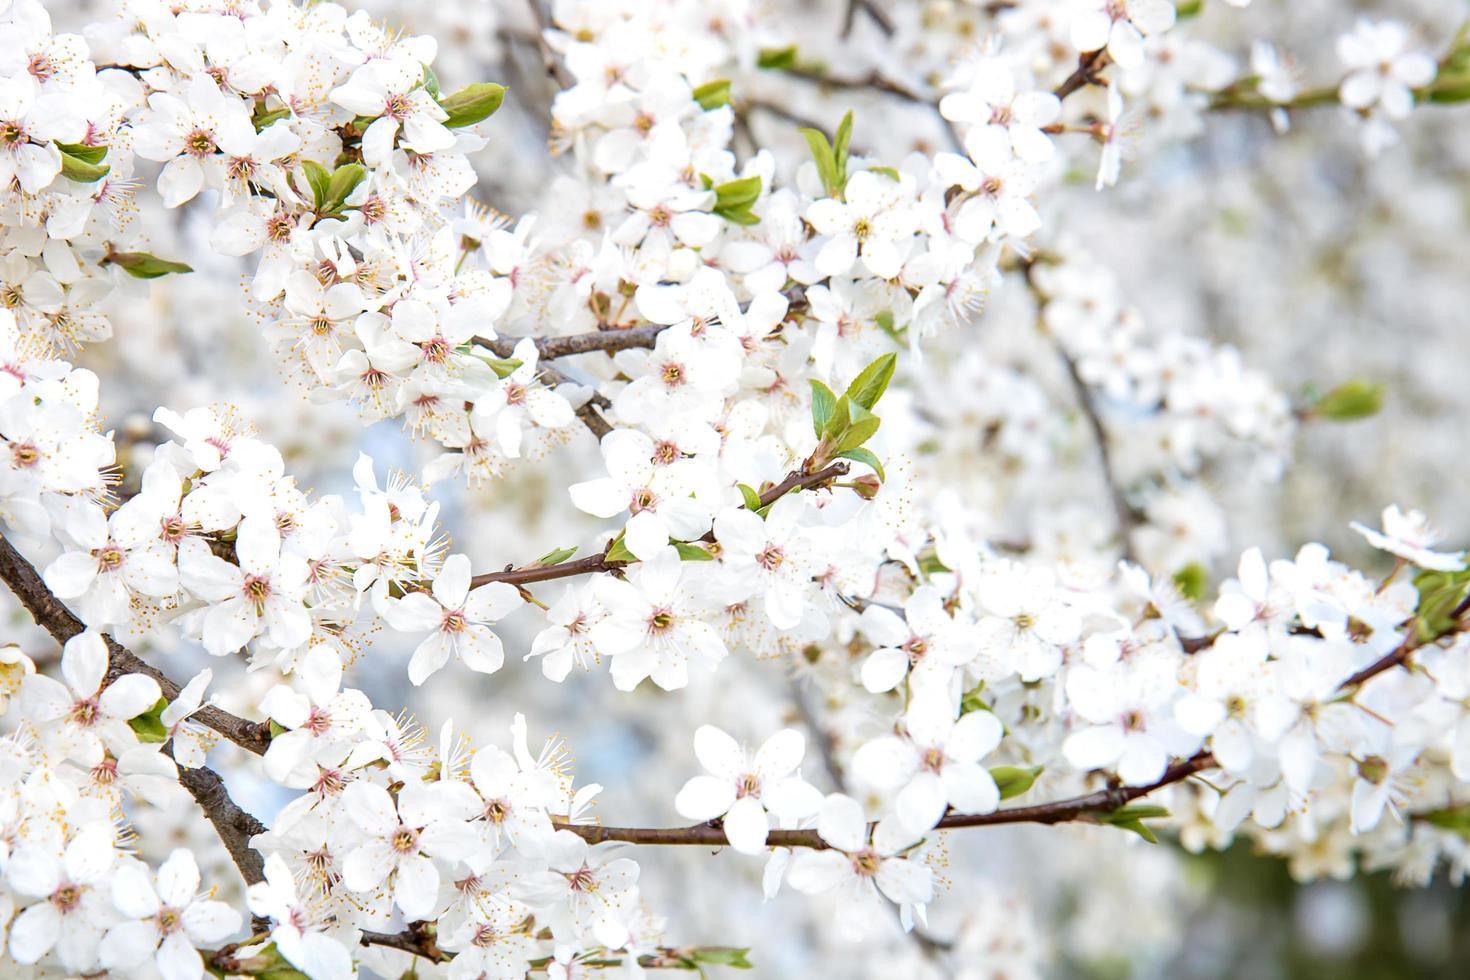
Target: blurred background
1318,264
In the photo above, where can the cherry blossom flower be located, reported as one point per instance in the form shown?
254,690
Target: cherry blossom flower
460,617
742,789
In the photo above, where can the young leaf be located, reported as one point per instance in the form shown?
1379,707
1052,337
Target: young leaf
556,557
839,149
868,458
503,367
752,499
824,402
263,118
619,552
1191,581
860,427
730,956
1356,399
734,198
777,59
872,381
141,265
344,181
472,104
319,179
1014,780
841,418
149,725
825,160
431,82
712,95
83,164
692,552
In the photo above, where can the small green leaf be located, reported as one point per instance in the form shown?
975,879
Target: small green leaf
149,726
873,380
319,179
503,367
824,403
752,499
1191,581
343,182
472,104
868,458
860,428
841,418
1188,8
730,956
839,149
619,552
823,157
264,118
82,163
431,82
556,557
1456,819
277,730
692,552
1440,594
778,59
1014,780
888,172
972,700
1131,818
141,265
712,95
734,198
83,152
1356,399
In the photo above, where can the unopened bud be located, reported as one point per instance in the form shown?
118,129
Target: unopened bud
867,485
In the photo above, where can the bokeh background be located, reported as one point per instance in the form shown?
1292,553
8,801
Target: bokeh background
1316,262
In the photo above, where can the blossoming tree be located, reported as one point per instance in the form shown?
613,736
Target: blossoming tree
764,352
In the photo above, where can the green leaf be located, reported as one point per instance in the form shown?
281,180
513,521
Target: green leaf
712,95
472,104
83,152
1191,581
1456,819
972,701
860,428
83,163
777,58
825,160
619,552
431,82
888,172
752,499
149,726
503,367
824,403
841,418
872,381
1014,780
141,265
1440,594
839,149
1131,818
263,118
734,198
730,956
276,729
868,458
344,181
556,557
319,179
692,552
1356,399
1188,8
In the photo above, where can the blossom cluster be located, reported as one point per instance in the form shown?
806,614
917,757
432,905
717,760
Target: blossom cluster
756,341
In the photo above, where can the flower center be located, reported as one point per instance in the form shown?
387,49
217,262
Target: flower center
661,621
866,862
199,143
748,785
672,374
404,841
67,897
257,590
770,558
83,713
643,499
109,558
454,621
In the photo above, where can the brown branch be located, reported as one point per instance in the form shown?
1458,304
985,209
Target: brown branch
234,826
1086,74
52,615
1078,808
1123,512
600,563
550,348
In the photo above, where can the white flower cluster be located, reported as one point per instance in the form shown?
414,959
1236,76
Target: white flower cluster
734,321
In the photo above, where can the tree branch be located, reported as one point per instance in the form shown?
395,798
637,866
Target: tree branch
599,562
52,615
234,826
